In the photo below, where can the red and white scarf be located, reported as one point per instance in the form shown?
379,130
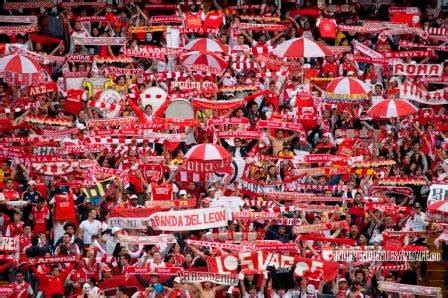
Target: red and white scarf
260,27
100,41
22,29
409,289
243,134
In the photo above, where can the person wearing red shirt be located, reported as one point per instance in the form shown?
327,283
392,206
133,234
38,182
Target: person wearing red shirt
178,289
24,241
16,227
52,284
76,279
39,215
10,193
429,139
327,27
4,218
20,288
330,65
163,191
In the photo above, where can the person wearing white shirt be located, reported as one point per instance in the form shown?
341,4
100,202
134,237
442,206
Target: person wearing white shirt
90,227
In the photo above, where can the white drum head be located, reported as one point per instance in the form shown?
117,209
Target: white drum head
179,109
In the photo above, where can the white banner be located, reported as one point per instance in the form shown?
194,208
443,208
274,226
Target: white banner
230,204
438,192
413,92
221,279
409,69
365,50
129,218
147,240
186,220
409,289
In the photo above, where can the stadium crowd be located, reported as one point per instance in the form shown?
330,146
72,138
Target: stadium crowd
220,149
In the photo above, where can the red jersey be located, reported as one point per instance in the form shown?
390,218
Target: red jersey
24,241
161,192
193,20
21,290
11,194
327,27
328,67
213,20
40,219
64,207
14,229
4,222
52,285
79,276
429,143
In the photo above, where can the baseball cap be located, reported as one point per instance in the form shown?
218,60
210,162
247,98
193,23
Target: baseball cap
342,280
115,229
177,280
134,197
182,192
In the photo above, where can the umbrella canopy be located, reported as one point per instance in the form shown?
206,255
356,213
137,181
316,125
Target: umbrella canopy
392,108
440,207
438,212
204,62
206,158
302,48
21,70
206,45
348,89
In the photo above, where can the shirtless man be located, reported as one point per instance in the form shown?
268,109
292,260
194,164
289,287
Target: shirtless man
279,140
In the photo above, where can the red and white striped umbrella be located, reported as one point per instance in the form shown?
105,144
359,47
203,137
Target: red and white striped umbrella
302,48
206,158
206,45
440,207
392,108
346,89
21,70
204,62
438,212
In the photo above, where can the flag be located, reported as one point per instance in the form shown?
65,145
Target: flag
96,192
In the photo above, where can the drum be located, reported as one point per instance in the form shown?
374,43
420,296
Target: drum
179,109
112,97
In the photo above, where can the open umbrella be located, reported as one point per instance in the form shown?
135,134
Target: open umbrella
302,48
206,158
346,89
21,70
204,62
392,108
205,45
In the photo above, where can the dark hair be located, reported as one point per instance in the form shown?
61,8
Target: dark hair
53,267
34,240
69,224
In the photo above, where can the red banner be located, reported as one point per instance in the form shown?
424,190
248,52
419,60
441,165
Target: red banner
280,125
317,158
52,260
260,260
